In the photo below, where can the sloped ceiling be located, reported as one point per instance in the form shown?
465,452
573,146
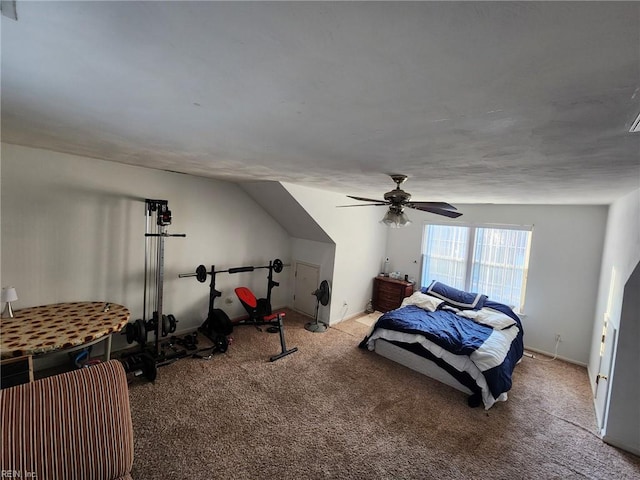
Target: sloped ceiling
527,102
281,205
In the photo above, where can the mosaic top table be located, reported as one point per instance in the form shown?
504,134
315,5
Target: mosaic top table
45,329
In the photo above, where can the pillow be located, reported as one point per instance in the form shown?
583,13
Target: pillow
455,297
422,300
490,317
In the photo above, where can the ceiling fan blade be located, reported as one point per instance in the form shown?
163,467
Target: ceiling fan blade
363,199
437,211
443,205
364,205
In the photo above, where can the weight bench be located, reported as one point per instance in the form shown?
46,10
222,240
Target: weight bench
260,314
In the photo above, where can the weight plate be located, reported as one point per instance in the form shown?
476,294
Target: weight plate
131,333
164,327
172,323
277,265
201,273
141,332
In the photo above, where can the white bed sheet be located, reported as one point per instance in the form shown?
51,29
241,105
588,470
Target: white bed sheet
462,363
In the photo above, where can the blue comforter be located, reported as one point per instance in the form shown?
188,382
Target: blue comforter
462,336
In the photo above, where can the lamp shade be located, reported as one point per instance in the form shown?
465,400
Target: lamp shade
395,219
8,295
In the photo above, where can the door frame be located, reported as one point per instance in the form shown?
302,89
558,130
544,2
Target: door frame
603,378
295,283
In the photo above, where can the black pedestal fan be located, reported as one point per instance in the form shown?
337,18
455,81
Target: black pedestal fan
322,295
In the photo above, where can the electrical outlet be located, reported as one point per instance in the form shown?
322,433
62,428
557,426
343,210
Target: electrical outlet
558,338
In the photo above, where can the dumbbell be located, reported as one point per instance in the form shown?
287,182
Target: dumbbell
142,365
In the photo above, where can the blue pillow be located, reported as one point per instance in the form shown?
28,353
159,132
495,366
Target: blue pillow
453,296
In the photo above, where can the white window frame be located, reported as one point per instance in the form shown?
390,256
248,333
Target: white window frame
471,247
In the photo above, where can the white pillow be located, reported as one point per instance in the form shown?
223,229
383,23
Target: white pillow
422,300
490,317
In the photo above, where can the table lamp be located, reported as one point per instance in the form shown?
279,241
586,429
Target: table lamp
8,295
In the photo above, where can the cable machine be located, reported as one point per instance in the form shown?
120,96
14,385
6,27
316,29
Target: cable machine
157,219
155,236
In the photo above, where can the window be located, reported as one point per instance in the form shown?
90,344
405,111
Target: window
484,259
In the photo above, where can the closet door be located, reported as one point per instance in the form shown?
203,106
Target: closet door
307,280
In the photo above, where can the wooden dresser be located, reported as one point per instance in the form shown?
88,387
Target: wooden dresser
388,293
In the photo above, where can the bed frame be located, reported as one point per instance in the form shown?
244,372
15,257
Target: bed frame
417,363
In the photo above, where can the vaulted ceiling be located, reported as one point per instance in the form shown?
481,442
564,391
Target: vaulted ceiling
527,102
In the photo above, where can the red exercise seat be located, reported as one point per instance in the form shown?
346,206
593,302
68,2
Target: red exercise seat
258,309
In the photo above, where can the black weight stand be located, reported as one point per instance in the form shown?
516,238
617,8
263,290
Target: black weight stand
262,316
149,357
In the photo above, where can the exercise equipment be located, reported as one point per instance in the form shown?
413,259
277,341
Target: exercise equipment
260,314
140,365
189,342
137,331
157,218
322,294
154,267
201,275
218,323
220,344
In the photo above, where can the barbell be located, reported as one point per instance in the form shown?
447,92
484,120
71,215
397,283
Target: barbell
201,271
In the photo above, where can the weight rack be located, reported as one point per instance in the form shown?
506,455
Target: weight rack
275,324
145,361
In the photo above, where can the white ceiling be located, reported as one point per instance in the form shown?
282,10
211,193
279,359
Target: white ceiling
477,102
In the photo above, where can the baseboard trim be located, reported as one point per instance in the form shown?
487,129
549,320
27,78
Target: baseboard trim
616,444
344,319
564,359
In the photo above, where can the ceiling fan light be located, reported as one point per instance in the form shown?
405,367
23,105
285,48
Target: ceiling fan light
388,219
395,220
403,220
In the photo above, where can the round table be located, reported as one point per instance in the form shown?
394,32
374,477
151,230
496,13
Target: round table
45,329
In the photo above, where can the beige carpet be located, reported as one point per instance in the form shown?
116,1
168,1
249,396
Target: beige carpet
332,410
368,319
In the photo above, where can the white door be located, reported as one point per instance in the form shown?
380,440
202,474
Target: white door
602,380
307,280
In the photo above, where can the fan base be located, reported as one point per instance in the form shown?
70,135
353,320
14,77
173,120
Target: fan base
316,327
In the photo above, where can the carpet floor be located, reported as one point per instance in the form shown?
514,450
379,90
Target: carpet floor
332,410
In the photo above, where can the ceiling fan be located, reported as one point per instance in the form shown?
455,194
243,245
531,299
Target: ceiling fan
397,199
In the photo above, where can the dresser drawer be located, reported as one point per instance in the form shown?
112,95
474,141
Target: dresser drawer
390,297
389,288
388,293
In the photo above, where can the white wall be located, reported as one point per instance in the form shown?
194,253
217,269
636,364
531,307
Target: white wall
73,230
622,426
622,254
360,245
564,267
1,284
315,253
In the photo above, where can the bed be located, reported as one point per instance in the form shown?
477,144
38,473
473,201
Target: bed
462,339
